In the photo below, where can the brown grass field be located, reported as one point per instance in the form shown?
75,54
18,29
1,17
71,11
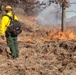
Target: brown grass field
44,50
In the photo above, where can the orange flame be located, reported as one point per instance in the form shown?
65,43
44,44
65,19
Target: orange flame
59,35
67,35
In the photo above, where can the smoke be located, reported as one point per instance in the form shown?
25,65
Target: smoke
51,15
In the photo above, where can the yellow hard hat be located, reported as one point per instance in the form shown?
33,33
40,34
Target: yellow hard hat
8,7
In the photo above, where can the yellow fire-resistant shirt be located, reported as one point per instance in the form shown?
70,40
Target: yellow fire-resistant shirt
5,22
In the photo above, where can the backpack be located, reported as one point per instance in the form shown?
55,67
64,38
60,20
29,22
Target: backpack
14,27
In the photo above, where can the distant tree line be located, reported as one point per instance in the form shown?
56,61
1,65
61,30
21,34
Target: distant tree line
29,5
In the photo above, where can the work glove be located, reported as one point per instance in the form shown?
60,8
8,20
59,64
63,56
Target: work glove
2,37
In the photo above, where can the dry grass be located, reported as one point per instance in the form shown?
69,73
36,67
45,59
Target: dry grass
37,55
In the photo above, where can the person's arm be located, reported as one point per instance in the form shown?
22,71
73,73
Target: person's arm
3,27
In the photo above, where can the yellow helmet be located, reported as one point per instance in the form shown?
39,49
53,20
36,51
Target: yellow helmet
8,7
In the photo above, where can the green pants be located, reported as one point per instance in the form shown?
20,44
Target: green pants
13,45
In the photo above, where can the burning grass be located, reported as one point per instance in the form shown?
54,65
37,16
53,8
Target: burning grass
56,35
66,35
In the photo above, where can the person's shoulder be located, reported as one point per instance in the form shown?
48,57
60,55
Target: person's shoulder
5,17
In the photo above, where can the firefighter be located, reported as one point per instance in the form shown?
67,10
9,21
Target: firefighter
10,39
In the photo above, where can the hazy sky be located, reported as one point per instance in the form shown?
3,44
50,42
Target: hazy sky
71,8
